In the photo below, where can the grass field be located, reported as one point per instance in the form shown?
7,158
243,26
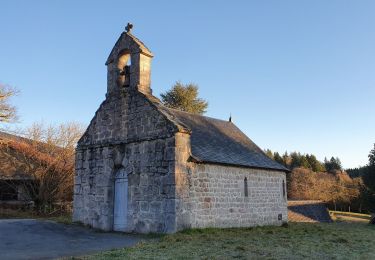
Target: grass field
297,241
348,238
22,214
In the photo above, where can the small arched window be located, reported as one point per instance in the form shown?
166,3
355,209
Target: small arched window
284,192
246,187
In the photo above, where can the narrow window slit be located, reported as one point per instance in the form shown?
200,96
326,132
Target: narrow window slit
246,188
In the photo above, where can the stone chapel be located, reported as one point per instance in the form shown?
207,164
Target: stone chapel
142,167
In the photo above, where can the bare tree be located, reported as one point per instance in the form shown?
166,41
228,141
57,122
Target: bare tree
7,111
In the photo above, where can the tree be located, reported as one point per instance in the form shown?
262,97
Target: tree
269,153
47,157
337,164
332,165
277,157
287,159
367,175
184,98
304,162
315,165
369,179
338,190
295,160
357,172
371,157
7,111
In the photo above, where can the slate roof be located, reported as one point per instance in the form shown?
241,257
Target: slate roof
141,45
7,136
222,142
10,163
308,211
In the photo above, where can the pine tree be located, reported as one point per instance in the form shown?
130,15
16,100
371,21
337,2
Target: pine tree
278,158
296,160
304,162
371,157
269,153
184,98
369,176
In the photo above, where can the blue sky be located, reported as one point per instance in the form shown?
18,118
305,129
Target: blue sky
296,75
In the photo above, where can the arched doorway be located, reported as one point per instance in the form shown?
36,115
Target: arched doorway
120,201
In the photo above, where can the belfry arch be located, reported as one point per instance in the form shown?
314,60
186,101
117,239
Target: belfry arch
124,68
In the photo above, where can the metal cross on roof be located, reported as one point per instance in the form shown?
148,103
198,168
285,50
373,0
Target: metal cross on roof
129,27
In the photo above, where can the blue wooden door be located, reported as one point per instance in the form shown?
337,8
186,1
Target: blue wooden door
120,201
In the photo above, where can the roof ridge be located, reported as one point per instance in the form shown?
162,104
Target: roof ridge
141,44
13,136
215,140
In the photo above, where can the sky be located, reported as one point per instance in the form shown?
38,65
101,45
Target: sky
295,75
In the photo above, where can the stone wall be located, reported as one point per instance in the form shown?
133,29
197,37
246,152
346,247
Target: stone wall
216,197
126,117
127,132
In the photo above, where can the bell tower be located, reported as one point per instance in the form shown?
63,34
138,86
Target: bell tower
129,65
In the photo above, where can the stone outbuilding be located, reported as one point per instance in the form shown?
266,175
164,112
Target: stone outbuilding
14,177
142,167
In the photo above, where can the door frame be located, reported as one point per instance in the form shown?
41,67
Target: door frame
121,174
